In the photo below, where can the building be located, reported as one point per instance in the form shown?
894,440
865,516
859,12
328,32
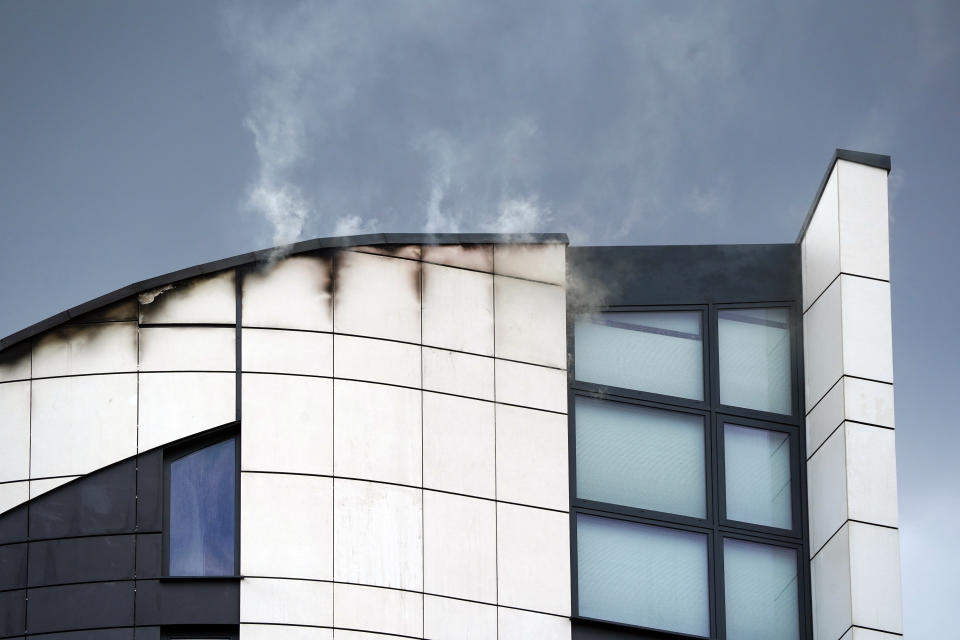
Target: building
467,437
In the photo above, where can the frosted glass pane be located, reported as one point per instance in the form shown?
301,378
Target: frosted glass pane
757,472
202,512
654,351
640,457
754,349
643,575
760,591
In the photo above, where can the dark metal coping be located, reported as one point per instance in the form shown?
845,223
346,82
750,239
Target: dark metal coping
860,157
339,242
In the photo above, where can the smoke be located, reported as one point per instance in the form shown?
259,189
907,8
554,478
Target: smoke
457,117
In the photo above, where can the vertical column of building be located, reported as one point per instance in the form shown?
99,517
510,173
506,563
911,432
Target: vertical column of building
286,512
851,468
532,489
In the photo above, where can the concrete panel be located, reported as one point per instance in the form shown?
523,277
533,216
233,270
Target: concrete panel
532,460
449,619
457,309
459,547
458,373
82,423
297,352
206,299
533,559
376,360
293,293
188,349
531,386
294,435
378,610
458,445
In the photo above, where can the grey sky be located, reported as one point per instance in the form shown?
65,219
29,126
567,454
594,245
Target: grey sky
137,138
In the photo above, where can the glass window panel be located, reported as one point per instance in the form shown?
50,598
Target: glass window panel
655,351
757,476
760,591
754,347
202,511
640,457
643,575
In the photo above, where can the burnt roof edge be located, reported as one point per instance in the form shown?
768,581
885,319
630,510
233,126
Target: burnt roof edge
305,246
875,160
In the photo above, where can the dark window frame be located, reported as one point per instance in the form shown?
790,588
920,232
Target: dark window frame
716,526
180,449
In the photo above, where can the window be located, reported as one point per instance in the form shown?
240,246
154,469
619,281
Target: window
201,509
686,459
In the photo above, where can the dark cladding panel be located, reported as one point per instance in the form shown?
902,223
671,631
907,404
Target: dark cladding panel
13,566
149,555
13,525
13,605
188,602
81,606
666,275
81,560
146,633
102,503
150,491
96,634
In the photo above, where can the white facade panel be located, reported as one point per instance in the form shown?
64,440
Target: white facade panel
875,577
531,322
285,526
459,547
825,417
540,262
458,445
871,474
377,432
827,490
279,601
820,248
293,436
477,257
376,360
176,405
210,299
533,559
457,309
79,424
292,293
527,625
378,610
458,373
532,458
830,585
377,296
823,344
84,349
531,386
13,494
868,401
40,487
283,632
15,365
188,349
449,619
295,352
378,534
864,226
15,431
867,330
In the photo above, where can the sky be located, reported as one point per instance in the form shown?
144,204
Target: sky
139,138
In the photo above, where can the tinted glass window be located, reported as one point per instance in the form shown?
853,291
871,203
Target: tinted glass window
642,575
202,503
757,476
760,589
641,457
754,346
654,351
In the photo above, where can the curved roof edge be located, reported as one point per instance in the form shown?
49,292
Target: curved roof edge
338,242
875,160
